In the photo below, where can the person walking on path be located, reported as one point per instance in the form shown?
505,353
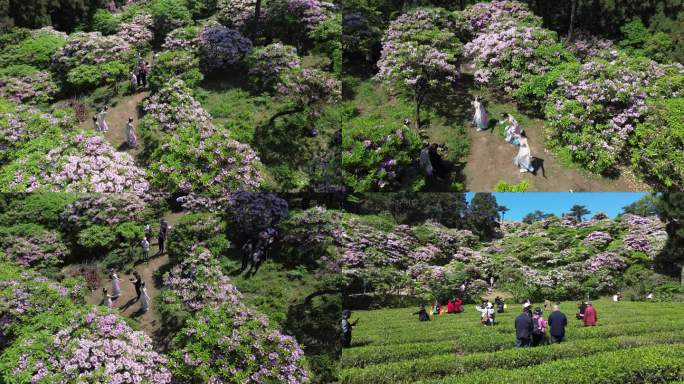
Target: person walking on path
539,328
144,299
146,248
107,298
523,159
422,314
134,81
523,328
116,285
137,282
590,317
101,123
557,323
163,232
347,328
131,138
480,118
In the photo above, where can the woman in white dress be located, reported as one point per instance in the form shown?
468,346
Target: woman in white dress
481,118
102,124
131,138
144,299
107,298
116,285
524,157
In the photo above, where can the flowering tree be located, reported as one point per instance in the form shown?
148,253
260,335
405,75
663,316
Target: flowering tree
182,38
221,47
419,57
105,210
34,88
84,346
137,32
238,14
232,344
31,245
307,88
486,16
90,48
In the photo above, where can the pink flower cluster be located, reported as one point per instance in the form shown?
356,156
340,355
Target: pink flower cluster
137,32
646,234
586,45
25,123
237,14
174,106
182,38
268,63
37,87
90,48
608,260
40,248
310,12
96,346
100,209
198,282
487,16
597,238
309,87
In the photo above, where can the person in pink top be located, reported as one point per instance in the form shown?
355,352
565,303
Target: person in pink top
590,317
539,328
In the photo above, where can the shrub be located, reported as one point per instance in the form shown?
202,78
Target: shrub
97,239
221,47
35,50
183,38
267,64
169,15
658,145
105,22
198,229
179,64
38,208
237,14
31,245
35,87
503,186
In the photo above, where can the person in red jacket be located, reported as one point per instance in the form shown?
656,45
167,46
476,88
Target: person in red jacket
458,305
590,315
450,307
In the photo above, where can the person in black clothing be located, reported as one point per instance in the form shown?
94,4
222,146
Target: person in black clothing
347,328
557,324
523,329
422,314
499,304
437,162
582,307
163,232
137,283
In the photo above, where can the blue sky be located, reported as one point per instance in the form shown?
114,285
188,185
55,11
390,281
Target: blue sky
520,204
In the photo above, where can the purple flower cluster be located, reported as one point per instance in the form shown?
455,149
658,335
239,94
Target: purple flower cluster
198,282
221,47
25,123
40,248
100,209
174,106
586,45
645,234
37,87
487,16
310,12
237,14
309,87
182,38
137,32
606,260
425,254
598,238
83,164
96,346
90,48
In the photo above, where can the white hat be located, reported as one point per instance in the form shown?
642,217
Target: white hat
527,305
489,305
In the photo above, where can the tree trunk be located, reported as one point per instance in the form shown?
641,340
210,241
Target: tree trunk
257,16
573,9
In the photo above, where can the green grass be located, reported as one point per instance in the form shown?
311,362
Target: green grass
391,346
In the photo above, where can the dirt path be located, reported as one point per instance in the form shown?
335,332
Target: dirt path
491,160
126,304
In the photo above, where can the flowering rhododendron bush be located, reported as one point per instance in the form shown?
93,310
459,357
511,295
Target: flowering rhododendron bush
34,87
138,31
182,38
31,245
595,108
487,16
238,14
232,344
25,294
267,64
84,346
90,48
221,47
182,64
105,210
80,162
376,156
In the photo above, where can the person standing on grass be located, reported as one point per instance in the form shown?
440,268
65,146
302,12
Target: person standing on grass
131,138
347,328
101,123
422,314
539,328
590,317
116,285
523,328
480,118
144,299
582,308
137,283
163,232
146,248
557,323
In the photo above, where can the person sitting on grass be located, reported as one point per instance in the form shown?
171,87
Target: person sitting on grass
436,308
458,305
347,328
486,313
582,308
422,314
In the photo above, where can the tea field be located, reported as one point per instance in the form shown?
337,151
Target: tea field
633,342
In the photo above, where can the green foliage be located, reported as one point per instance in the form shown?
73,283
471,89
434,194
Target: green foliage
38,208
169,64
129,232
646,206
482,215
204,229
638,41
97,238
18,70
532,93
105,22
201,8
503,186
35,50
86,77
327,37
657,145
169,15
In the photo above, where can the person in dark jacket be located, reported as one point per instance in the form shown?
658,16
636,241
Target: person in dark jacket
422,314
523,329
347,328
499,304
582,307
557,324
